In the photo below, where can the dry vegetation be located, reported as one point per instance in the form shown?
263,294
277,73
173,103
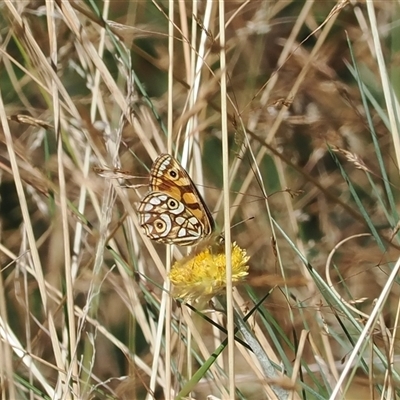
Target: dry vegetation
312,137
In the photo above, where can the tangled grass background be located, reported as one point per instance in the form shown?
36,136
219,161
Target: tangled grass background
308,108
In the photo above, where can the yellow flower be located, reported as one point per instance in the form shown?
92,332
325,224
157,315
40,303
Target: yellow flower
205,274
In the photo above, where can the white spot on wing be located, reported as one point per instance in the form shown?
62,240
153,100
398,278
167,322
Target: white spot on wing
180,220
155,201
182,233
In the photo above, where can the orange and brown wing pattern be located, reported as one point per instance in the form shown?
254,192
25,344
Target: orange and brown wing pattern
173,211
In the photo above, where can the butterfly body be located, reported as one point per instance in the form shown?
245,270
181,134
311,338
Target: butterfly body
173,212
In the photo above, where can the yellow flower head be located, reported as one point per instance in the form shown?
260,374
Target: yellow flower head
205,274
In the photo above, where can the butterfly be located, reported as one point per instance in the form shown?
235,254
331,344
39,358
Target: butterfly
173,211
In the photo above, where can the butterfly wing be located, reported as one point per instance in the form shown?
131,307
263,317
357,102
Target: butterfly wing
174,211
168,176
167,220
